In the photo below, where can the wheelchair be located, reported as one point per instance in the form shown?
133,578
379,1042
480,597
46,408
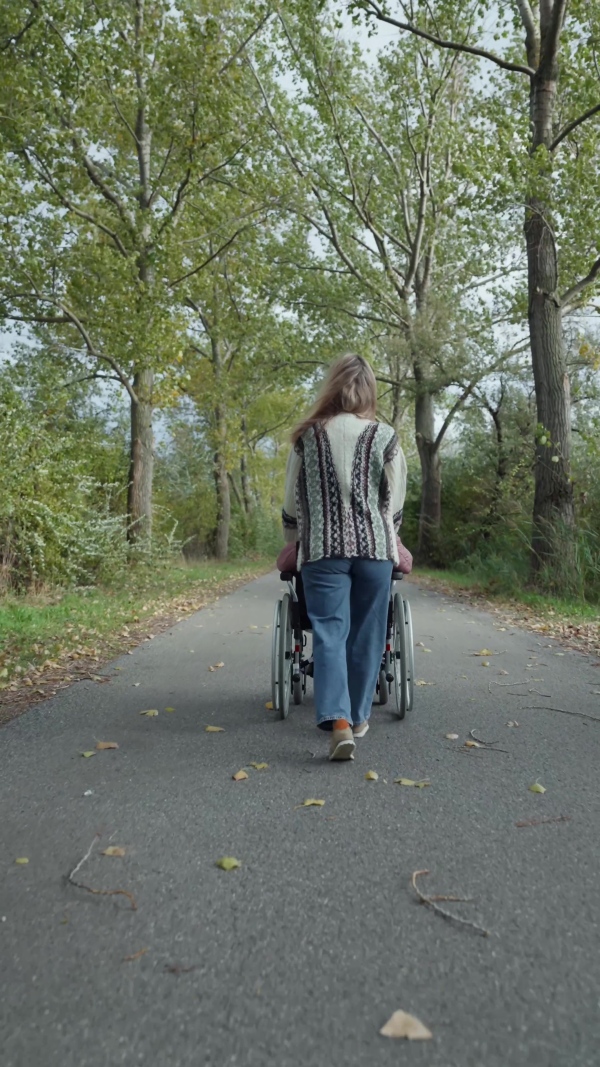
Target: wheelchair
291,666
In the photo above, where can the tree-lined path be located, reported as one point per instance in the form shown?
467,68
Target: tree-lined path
297,958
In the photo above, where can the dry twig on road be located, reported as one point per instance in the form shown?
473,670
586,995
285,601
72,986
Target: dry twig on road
98,892
431,903
562,711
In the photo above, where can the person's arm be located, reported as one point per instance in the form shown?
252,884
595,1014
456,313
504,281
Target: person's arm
289,515
395,470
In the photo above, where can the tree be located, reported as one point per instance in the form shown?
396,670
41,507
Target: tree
386,179
561,75
117,113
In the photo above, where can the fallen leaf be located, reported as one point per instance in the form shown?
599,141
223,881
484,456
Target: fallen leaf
88,754
485,663
22,860
484,652
214,729
512,722
472,744
558,653
216,666
169,709
113,850
421,682
537,788
240,776
425,649
269,705
502,672
254,627
259,766
372,776
103,745
88,793
136,955
419,644
451,737
135,684
150,714
311,803
409,781
228,863
402,1024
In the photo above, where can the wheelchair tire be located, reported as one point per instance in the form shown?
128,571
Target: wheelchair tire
383,688
410,654
399,656
275,656
285,661
297,692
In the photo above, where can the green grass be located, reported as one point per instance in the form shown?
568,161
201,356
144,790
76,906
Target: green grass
36,628
538,603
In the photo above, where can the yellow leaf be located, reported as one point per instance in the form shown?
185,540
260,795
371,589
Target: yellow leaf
240,776
228,863
259,766
426,649
88,754
484,652
311,803
472,744
150,714
402,1024
22,860
169,709
214,729
372,776
409,781
421,682
537,788
485,663
451,737
113,850
269,705
102,745
215,666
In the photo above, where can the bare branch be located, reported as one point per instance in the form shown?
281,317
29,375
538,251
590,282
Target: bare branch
579,286
566,130
215,255
456,46
246,42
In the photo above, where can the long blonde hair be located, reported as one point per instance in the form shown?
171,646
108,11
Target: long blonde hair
349,386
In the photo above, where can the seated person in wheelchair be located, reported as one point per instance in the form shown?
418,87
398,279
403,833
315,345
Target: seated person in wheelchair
344,494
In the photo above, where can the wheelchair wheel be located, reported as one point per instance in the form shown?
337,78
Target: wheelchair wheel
297,692
383,687
275,656
285,656
399,656
410,654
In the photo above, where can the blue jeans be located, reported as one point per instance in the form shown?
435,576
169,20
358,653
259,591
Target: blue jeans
347,603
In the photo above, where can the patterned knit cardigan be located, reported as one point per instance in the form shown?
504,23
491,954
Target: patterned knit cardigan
345,489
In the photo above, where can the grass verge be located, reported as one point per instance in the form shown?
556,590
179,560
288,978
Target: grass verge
573,622
50,640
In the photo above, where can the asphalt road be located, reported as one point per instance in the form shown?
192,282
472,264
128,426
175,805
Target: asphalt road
298,958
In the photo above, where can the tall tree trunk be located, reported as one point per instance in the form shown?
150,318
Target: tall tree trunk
553,515
141,461
245,479
430,515
222,489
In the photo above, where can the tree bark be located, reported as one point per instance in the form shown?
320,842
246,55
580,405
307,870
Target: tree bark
244,476
553,515
222,490
430,515
141,464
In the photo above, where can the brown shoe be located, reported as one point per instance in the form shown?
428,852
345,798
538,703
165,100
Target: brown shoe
342,744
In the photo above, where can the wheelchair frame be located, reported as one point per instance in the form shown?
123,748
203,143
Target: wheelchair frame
290,667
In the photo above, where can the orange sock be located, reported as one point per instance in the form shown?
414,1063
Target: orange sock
341,724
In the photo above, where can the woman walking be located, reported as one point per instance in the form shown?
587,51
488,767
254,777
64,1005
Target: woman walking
345,489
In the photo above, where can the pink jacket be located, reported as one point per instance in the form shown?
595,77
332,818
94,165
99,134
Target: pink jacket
286,560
